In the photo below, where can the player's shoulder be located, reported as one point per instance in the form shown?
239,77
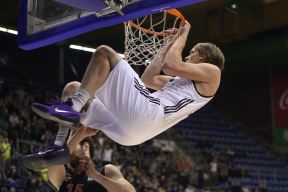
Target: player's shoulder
210,66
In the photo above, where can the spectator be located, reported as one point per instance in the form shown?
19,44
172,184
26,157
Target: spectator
5,150
214,171
190,187
14,119
107,154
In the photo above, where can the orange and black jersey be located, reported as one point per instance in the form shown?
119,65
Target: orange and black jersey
80,183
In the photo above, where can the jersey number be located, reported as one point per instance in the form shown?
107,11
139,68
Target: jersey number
78,188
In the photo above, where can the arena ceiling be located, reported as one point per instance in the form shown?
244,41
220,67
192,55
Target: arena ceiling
219,21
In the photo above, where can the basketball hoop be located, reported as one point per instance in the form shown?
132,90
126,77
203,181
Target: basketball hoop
146,38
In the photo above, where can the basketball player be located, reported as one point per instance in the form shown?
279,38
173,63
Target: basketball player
124,109
74,177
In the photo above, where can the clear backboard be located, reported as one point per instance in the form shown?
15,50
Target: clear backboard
44,22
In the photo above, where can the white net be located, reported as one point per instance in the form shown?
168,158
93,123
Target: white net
146,38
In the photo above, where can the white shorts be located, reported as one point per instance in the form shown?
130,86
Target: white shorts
124,109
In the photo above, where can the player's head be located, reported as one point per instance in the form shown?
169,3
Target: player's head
207,53
81,156
84,148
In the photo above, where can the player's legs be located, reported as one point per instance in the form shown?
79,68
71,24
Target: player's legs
102,62
54,152
56,155
63,131
70,89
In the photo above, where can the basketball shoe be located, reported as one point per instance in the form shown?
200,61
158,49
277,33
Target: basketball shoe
60,112
56,155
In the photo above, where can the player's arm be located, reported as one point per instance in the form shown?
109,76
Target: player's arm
113,179
203,72
175,66
81,133
151,76
56,175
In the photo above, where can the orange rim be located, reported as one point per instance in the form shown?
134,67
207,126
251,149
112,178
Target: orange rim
174,12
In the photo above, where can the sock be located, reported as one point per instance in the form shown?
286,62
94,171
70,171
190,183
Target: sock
80,99
62,135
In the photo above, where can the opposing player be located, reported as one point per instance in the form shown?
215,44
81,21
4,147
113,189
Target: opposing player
124,109
74,175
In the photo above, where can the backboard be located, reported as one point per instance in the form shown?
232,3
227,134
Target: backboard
44,22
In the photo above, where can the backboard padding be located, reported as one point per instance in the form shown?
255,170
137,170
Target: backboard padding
76,26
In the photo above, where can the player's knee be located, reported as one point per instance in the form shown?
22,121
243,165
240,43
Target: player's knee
70,89
106,52
103,50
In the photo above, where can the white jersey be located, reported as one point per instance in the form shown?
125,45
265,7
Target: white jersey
180,98
129,114
123,108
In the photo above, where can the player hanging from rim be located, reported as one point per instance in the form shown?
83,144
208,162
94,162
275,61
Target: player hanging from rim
124,109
